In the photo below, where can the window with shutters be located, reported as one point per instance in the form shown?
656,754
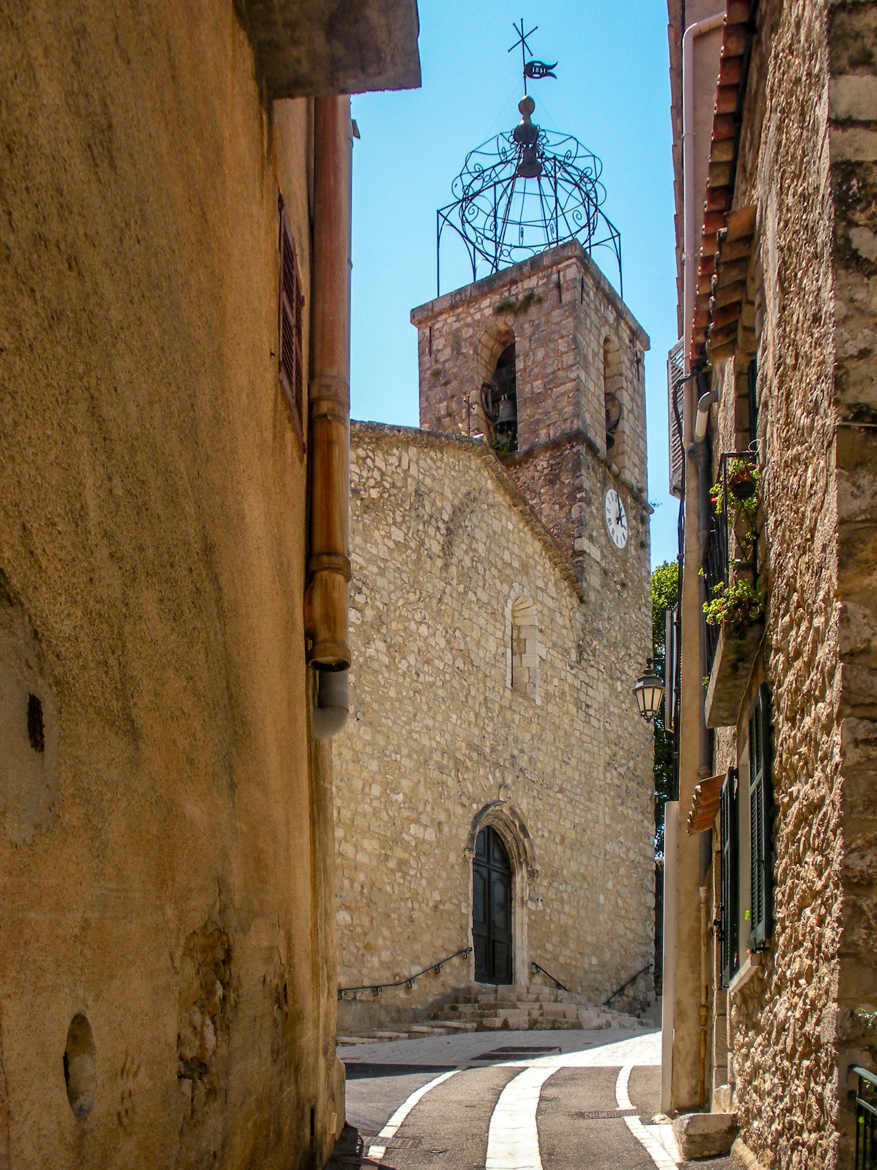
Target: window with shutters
291,301
729,913
760,822
675,398
752,399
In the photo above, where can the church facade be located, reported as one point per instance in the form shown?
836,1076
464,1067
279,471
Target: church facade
493,784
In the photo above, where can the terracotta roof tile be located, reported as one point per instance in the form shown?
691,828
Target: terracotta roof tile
726,236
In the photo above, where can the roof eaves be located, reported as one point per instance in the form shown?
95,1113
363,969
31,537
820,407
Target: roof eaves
709,330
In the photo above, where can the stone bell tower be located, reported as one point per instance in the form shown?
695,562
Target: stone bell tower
544,361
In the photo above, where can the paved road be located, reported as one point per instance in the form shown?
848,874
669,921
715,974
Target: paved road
500,1101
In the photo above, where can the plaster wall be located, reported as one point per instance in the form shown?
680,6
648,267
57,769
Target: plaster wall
164,841
442,546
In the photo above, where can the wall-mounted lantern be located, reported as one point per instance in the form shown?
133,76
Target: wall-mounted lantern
649,691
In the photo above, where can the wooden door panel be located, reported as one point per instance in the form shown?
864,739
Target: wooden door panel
491,909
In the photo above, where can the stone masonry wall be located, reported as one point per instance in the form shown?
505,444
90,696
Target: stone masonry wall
794,1025
561,313
852,46
442,545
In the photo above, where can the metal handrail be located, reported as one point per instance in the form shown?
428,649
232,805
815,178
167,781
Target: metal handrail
624,986
377,988
866,1119
548,975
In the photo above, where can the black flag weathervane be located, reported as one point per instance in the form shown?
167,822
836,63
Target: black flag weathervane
532,68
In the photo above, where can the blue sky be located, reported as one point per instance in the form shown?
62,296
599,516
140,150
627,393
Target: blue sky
611,91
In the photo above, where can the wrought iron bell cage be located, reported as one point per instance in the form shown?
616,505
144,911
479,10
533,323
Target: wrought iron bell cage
523,192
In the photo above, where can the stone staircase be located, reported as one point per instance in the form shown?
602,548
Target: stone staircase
483,1008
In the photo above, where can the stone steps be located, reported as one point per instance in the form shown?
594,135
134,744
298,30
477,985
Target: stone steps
412,1032
523,1008
503,1008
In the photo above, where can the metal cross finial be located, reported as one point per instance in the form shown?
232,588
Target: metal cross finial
525,48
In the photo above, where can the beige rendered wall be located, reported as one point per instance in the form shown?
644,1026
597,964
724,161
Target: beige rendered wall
442,544
164,852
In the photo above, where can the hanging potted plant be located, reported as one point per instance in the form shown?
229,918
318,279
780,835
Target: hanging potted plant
742,476
735,496
736,605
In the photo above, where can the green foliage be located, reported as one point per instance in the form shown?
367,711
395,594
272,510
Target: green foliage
509,305
737,604
741,506
665,594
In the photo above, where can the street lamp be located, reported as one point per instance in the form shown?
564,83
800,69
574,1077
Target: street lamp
649,691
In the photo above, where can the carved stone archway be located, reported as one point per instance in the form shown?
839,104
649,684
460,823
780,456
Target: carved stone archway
509,824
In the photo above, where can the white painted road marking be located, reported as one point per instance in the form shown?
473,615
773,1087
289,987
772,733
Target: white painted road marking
513,1140
379,1147
647,1137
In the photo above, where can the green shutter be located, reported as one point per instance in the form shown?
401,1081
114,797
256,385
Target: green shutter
729,910
760,822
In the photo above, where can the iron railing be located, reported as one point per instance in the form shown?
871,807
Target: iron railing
866,1120
625,986
536,967
377,988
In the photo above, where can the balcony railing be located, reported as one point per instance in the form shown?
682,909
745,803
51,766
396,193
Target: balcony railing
732,530
866,1120
734,607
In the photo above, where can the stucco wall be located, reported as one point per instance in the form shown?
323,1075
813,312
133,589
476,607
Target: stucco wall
158,852
442,544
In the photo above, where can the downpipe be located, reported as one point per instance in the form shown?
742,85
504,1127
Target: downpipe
699,452
328,567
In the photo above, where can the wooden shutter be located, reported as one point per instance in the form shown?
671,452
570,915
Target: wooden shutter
675,399
290,325
760,822
671,667
729,910
751,384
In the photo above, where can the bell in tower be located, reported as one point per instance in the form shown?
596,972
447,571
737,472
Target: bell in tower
539,354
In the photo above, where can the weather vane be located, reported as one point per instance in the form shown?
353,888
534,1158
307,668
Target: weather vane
532,68
527,189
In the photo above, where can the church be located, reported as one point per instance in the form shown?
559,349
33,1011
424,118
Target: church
493,786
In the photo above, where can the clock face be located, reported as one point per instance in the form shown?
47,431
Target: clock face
616,519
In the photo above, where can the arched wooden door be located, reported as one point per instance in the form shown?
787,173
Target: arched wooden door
492,909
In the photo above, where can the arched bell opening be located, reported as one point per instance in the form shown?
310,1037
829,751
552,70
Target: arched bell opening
613,396
499,401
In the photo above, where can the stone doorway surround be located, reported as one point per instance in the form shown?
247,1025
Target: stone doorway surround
508,823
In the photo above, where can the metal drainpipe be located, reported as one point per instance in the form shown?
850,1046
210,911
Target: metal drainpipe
329,414
700,453
691,206
703,1004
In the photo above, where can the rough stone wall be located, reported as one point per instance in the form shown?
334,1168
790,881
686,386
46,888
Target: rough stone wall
442,545
852,46
559,309
157,839
797,1024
